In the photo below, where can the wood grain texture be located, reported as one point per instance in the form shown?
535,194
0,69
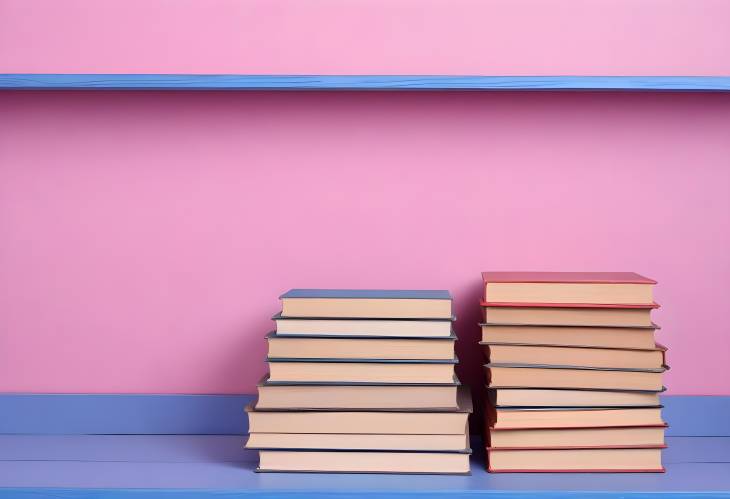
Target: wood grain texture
361,82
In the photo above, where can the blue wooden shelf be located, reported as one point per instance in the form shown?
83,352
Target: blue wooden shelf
205,466
138,446
360,82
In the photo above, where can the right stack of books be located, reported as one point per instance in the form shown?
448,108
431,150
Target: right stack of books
573,373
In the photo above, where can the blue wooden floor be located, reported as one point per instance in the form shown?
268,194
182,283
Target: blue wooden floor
200,466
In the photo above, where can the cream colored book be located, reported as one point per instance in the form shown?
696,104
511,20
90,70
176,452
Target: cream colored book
364,462
356,396
539,376
388,328
395,328
317,347
373,371
571,316
615,288
535,397
578,437
599,337
383,421
576,460
355,441
573,418
367,303
502,353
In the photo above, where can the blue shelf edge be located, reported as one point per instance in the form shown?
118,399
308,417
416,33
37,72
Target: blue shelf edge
153,414
361,82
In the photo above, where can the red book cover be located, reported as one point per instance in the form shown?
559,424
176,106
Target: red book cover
566,305
568,277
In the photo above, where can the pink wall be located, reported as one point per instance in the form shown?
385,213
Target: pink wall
146,236
490,37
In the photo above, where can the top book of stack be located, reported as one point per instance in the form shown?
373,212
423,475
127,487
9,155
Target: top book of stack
366,304
567,288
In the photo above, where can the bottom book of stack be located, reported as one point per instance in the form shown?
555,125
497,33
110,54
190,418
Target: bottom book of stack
363,440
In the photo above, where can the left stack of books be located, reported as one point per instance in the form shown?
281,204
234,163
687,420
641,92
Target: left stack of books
362,381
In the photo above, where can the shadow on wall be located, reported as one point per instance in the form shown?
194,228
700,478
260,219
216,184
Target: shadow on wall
468,316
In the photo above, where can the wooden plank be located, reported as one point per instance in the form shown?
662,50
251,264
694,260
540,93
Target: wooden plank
360,82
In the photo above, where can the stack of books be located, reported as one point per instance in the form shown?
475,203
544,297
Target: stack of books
362,381
573,372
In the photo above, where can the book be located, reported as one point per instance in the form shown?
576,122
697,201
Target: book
611,460
297,395
543,376
354,441
362,371
543,314
568,287
500,417
574,356
577,437
364,462
599,337
378,421
395,328
337,347
557,397
367,303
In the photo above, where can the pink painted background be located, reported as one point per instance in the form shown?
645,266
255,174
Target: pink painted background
490,37
146,236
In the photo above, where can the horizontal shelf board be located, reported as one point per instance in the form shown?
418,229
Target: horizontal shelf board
130,414
360,82
197,467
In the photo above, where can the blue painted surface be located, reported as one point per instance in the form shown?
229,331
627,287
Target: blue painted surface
692,415
360,82
229,448
123,414
114,467
52,414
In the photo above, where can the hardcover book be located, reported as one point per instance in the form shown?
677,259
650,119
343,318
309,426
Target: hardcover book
565,417
544,376
510,353
378,421
571,335
646,459
352,396
577,437
364,462
355,347
359,303
558,397
356,441
359,327
568,287
362,370
550,314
